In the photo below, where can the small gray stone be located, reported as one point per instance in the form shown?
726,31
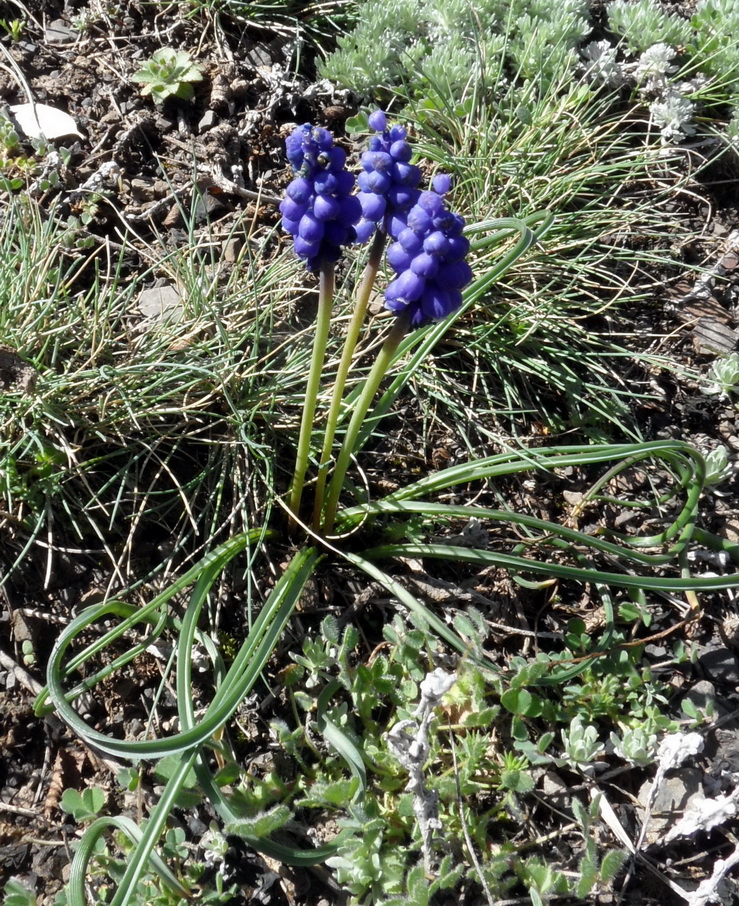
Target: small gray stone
674,795
207,206
143,189
720,665
257,57
703,696
231,248
163,124
58,32
197,827
160,304
726,759
711,336
209,119
554,789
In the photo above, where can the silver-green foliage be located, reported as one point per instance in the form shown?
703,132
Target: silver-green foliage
644,23
723,375
715,24
380,50
17,894
708,37
412,46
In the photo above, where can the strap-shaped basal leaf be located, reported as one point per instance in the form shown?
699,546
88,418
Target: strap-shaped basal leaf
236,684
258,646
411,602
532,555
487,558
245,666
89,617
556,535
338,740
673,452
452,639
86,851
245,669
143,854
212,563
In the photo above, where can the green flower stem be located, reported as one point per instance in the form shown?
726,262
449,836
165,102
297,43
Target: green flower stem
352,335
323,322
379,369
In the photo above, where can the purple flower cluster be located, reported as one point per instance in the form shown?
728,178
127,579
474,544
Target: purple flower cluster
429,251
388,183
319,210
428,257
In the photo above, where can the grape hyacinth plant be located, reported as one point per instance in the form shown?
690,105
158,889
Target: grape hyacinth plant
388,187
428,256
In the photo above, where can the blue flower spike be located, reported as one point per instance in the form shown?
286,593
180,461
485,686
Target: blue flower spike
428,257
319,210
388,183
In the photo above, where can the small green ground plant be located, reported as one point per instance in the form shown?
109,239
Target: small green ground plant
14,28
169,73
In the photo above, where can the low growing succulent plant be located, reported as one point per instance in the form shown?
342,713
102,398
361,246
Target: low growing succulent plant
169,73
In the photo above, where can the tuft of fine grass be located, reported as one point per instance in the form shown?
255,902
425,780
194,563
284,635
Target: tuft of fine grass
141,442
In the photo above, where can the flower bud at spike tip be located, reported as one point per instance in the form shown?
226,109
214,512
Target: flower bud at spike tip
429,259
442,183
319,211
378,121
